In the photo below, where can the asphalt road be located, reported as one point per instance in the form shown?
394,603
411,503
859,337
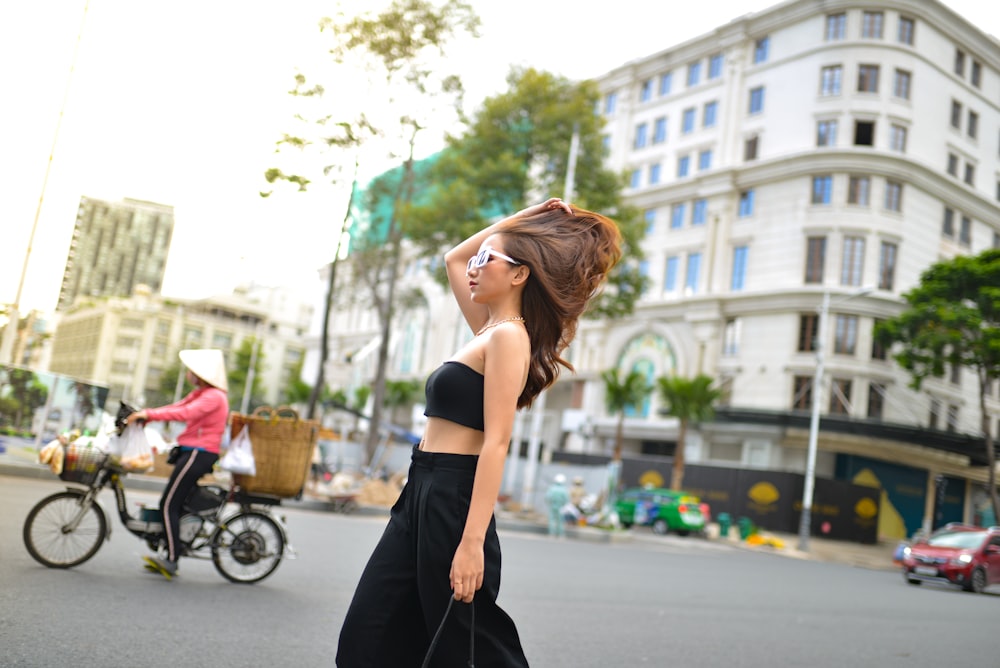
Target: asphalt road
657,601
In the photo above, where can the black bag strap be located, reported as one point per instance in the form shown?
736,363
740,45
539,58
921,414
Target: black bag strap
437,634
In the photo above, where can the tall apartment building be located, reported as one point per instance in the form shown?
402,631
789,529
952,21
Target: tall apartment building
811,150
116,247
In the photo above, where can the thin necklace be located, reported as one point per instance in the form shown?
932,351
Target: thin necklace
516,318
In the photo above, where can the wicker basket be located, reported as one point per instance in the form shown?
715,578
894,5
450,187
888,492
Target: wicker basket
282,450
82,465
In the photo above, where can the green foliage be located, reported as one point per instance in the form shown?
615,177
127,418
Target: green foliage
297,391
361,394
688,399
23,395
401,392
620,394
238,367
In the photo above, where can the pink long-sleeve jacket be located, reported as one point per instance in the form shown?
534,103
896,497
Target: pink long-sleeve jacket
204,411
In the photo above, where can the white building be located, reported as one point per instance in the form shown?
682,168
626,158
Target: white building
837,147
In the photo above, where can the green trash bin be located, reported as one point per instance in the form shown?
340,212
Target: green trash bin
725,522
747,528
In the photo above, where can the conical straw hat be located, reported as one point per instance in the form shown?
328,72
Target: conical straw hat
208,364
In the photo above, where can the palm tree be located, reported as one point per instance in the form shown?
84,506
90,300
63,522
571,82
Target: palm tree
619,396
688,400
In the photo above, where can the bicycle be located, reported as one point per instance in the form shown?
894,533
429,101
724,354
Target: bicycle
67,528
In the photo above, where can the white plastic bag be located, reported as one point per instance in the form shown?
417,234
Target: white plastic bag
137,454
239,456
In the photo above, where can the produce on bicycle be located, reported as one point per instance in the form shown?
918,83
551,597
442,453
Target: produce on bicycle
205,412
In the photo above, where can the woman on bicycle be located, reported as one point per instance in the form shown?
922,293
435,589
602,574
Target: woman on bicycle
205,412
522,284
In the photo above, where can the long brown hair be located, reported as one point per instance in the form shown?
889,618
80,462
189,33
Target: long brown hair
569,257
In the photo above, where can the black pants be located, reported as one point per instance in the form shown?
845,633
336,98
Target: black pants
192,464
404,589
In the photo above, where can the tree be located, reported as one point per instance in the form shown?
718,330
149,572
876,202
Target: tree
297,390
952,319
239,373
689,400
619,396
400,394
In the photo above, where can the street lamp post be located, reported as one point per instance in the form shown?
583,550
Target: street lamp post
809,485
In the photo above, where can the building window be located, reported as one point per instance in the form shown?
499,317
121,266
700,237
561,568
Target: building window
887,265
956,114
836,27
802,393
965,231
852,262
867,78
670,276
956,374
935,414
864,133
731,337
715,66
654,174
996,240
972,126
757,100
646,91
901,84
666,80
948,224
677,212
822,189
683,165
905,35
952,167
739,268
750,153
641,136
829,80
760,49
693,269
893,196
660,130
746,204
876,400
871,25
687,121
970,174
952,418
610,102
636,178
650,217
709,113
897,138
845,334
826,133
815,259
878,350
959,67
976,76
705,160
859,190
694,73
808,331
699,212
840,396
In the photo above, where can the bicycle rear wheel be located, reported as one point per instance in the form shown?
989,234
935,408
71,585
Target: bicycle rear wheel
247,547
60,533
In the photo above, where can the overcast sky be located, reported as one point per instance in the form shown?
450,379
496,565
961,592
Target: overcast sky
182,102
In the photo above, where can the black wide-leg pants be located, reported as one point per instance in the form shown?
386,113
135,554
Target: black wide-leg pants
405,588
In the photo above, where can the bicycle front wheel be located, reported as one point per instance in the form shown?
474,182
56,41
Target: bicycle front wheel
247,547
60,532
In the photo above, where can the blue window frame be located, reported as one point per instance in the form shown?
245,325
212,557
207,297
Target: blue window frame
694,73
746,203
636,178
739,268
757,100
760,49
709,114
650,216
705,160
822,190
715,66
646,92
683,165
693,270
641,135
660,130
687,121
670,275
654,174
606,143
699,211
666,81
610,102
677,215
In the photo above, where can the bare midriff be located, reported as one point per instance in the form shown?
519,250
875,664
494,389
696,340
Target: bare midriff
442,435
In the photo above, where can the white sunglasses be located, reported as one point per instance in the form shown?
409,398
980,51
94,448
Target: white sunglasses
479,260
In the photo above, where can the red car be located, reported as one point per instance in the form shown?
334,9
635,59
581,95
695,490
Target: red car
968,558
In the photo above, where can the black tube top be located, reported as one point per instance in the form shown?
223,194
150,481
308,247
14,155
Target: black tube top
454,392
